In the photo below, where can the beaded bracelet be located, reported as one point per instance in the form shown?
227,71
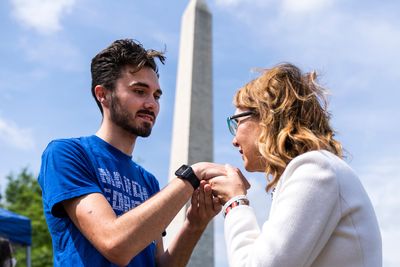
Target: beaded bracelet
229,202
234,202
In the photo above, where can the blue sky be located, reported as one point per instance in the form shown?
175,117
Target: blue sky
46,47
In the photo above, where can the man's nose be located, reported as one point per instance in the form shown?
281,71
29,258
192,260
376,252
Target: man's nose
151,103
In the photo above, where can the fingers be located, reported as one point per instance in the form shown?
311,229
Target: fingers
231,171
213,205
205,198
218,184
214,171
195,198
202,201
208,197
204,206
227,186
217,206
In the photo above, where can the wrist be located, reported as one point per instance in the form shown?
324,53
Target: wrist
186,173
225,198
194,228
235,202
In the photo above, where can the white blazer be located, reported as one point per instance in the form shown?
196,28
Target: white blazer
320,216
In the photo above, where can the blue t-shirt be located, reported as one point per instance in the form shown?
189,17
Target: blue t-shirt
79,166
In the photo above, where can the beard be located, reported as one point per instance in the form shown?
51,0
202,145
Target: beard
124,119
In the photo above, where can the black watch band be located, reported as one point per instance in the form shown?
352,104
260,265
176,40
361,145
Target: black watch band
185,172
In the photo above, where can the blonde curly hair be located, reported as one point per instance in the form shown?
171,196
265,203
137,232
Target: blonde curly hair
293,117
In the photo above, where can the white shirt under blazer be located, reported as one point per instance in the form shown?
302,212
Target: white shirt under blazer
320,216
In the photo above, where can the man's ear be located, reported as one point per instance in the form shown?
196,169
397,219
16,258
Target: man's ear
101,94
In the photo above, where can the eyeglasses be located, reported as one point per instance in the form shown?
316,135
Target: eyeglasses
233,123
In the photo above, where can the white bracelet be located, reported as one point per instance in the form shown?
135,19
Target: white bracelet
230,201
234,199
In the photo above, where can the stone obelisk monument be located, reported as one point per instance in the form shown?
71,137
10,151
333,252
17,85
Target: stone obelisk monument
192,136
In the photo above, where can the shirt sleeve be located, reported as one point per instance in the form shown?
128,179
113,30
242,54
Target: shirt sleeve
303,216
66,172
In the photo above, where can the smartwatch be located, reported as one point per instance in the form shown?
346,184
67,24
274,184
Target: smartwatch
185,172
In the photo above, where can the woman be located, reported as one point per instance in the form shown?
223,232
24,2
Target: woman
320,213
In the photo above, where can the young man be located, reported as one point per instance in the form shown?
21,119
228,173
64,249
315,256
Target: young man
102,208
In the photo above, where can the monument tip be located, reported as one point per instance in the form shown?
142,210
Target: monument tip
200,4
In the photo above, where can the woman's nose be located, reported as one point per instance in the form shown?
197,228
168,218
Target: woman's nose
234,142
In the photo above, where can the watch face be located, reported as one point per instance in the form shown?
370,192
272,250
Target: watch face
185,172
182,171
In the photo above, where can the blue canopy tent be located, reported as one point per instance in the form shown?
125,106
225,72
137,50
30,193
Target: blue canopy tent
17,229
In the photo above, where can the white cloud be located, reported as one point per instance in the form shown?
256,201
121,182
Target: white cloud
13,135
237,3
304,6
324,31
41,15
227,2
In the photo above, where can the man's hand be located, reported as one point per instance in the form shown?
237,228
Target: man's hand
203,207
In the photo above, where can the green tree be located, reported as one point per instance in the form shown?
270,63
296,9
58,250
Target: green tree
24,196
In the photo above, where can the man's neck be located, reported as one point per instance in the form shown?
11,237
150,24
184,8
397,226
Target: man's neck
117,137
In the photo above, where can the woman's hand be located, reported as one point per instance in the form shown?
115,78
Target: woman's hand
227,186
204,206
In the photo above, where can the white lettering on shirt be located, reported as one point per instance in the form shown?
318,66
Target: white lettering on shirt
121,192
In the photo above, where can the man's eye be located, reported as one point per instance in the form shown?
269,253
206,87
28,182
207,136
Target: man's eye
157,97
139,91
